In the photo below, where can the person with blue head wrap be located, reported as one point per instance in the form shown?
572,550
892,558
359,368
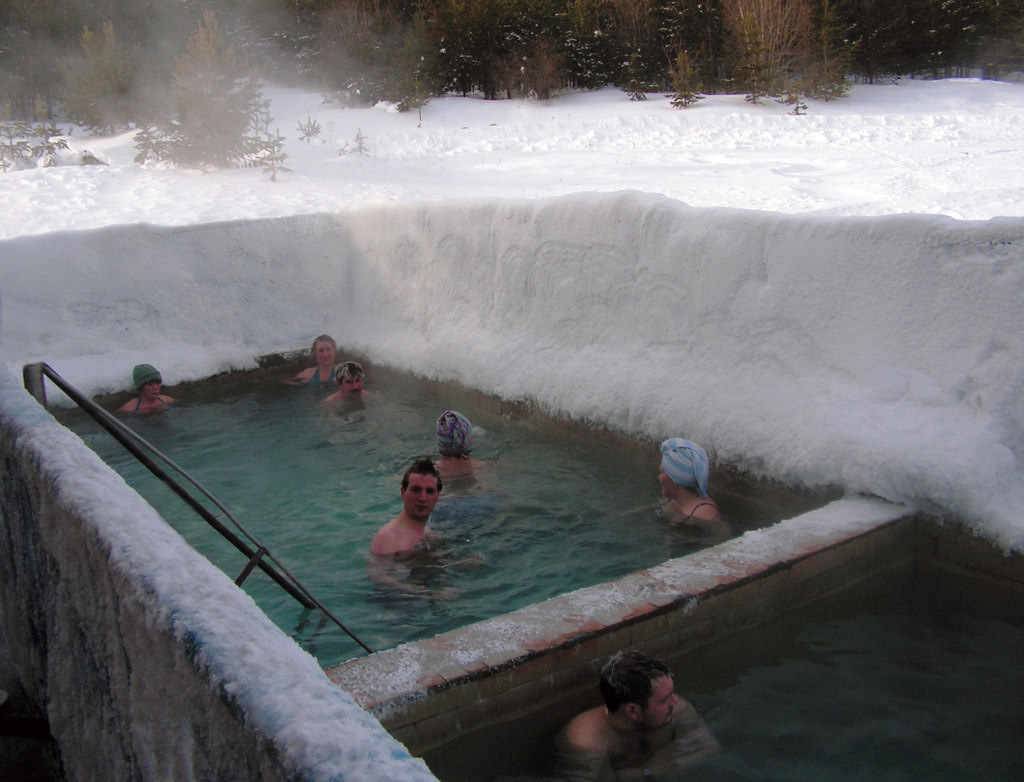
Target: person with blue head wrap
684,483
686,463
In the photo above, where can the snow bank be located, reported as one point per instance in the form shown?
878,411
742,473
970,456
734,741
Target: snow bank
881,354
149,662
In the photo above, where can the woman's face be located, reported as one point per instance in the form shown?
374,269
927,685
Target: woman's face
324,353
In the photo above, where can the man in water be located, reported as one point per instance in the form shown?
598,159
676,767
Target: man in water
349,376
643,730
406,555
407,534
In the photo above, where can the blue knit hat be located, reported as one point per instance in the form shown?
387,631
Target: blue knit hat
686,464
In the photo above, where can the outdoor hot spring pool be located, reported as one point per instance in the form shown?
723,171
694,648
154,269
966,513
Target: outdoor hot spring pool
560,507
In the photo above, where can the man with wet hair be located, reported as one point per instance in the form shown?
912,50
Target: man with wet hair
407,534
405,545
349,376
643,729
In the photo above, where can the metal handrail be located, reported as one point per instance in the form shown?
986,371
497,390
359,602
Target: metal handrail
33,375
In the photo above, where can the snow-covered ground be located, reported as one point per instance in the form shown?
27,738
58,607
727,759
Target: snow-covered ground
895,374
932,147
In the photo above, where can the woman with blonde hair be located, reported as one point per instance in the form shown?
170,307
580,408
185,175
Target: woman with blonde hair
321,377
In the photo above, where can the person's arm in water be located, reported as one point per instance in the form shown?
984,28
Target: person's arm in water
301,377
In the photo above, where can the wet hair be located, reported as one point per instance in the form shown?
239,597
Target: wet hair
422,466
323,338
349,370
627,677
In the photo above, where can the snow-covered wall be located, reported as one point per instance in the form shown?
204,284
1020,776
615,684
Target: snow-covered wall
881,354
149,662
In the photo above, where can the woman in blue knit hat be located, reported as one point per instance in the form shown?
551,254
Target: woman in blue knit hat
148,384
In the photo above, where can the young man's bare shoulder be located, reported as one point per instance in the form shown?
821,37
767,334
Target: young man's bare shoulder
384,542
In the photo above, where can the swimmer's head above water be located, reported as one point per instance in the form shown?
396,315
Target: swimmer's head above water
686,463
627,677
454,434
422,466
144,373
351,370
323,339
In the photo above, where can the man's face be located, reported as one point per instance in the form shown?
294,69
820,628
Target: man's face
660,705
350,386
420,496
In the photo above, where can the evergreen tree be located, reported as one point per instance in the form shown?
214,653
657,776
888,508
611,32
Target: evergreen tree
825,75
685,81
216,111
694,26
592,56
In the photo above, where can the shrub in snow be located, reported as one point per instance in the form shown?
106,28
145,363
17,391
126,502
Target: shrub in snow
685,81
24,145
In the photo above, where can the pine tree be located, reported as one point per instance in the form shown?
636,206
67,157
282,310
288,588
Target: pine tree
685,81
216,116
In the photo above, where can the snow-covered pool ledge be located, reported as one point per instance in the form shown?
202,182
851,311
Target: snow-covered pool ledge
149,662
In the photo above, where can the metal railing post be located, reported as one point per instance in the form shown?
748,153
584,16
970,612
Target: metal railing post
32,375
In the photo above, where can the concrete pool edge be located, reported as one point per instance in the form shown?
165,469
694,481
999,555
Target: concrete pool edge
429,691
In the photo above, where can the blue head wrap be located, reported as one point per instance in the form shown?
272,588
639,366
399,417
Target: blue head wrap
686,464
454,434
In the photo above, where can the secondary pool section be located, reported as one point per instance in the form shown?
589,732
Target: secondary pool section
557,507
921,691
